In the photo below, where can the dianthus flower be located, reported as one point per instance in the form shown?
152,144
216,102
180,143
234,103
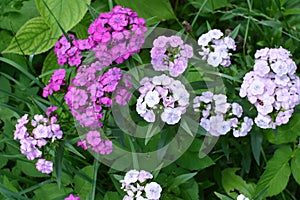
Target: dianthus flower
272,87
214,48
170,54
242,197
137,185
56,81
219,117
67,51
35,133
72,197
162,95
92,92
116,35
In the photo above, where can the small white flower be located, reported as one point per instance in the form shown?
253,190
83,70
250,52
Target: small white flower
263,121
224,127
237,109
242,197
171,115
215,33
153,190
131,176
214,59
257,87
204,39
152,98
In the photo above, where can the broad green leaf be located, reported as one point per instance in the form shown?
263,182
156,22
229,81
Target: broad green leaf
295,165
6,37
277,173
35,36
231,182
285,133
5,85
83,187
190,190
111,195
9,184
15,19
29,169
67,12
292,11
181,179
50,191
196,163
158,10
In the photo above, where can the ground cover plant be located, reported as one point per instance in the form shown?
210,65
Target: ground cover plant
172,99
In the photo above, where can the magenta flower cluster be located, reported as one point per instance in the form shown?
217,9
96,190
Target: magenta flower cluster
162,95
272,87
215,48
170,54
34,134
219,117
72,197
68,50
113,37
116,35
56,81
94,142
92,92
136,185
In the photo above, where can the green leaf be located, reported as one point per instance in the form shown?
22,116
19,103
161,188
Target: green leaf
222,197
83,187
50,63
181,179
190,190
277,173
211,4
292,11
235,31
50,191
15,19
256,140
67,12
59,155
231,182
286,133
158,10
35,36
196,163
295,165
29,169
111,195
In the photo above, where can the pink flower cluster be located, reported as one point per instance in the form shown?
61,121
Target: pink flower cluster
56,81
35,134
72,197
170,54
218,117
162,94
68,51
116,35
91,93
214,48
136,186
272,87
94,142
113,36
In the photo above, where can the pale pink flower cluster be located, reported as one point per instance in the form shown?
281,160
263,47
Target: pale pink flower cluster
137,185
272,87
215,48
162,94
72,197
34,134
170,54
219,117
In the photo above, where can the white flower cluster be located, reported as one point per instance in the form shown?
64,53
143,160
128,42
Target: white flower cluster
136,186
242,197
272,87
218,116
162,94
214,49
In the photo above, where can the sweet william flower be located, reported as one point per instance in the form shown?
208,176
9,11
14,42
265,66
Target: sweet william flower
44,166
153,190
72,197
